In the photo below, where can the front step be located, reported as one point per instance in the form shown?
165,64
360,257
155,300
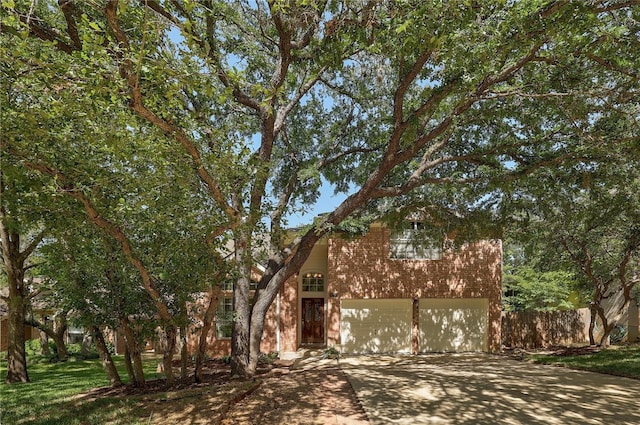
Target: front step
303,353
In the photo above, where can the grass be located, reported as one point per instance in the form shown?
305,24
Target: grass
47,399
616,360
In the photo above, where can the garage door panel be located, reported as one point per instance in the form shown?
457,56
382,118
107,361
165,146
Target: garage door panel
376,326
452,325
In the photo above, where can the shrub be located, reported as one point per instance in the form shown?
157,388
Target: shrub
34,348
331,353
268,358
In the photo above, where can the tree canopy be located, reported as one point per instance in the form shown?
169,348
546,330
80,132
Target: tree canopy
438,106
588,224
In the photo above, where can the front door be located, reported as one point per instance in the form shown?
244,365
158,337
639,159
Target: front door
313,320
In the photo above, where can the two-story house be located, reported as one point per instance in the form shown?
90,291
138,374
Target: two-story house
387,291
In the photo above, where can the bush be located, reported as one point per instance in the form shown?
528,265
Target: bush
268,358
331,353
34,348
34,353
75,351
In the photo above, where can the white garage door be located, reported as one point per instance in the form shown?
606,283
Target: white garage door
376,326
451,325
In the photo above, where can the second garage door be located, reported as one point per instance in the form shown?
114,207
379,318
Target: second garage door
376,326
451,325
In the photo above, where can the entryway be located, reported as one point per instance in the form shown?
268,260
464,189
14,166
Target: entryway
312,321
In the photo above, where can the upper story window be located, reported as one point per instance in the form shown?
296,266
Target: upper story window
411,242
313,282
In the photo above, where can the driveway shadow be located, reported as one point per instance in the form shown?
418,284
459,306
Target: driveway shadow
485,389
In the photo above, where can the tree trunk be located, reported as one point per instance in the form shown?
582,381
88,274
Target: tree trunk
184,352
138,370
16,353
207,323
248,342
606,326
105,357
592,325
259,311
56,331
14,267
128,365
240,337
254,349
240,350
258,315
241,355
87,342
61,347
605,341
44,344
249,321
134,352
167,354
59,329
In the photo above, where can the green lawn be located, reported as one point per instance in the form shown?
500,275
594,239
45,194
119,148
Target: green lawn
47,399
621,361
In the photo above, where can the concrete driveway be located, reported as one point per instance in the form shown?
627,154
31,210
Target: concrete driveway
485,389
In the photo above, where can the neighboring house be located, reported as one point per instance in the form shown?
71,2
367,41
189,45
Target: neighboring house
383,292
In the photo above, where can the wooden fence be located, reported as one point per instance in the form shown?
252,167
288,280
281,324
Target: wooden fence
531,329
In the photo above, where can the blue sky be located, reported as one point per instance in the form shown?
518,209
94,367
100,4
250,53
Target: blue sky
327,202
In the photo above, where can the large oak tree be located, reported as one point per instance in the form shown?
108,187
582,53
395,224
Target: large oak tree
396,104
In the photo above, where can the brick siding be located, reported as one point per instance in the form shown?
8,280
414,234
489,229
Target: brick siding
363,268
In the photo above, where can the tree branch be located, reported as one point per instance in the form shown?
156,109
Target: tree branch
156,7
284,50
69,11
285,196
137,105
284,112
39,29
616,6
33,245
607,64
110,228
209,45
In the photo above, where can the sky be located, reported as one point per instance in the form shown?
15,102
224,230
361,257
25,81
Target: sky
327,202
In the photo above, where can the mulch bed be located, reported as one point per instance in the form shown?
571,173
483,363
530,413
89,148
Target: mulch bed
574,351
279,393
559,350
215,372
